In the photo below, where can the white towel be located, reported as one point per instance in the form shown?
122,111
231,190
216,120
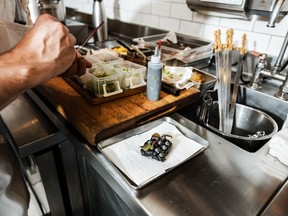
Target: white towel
279,146
178,76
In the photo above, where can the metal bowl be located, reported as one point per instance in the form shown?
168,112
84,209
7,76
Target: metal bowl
247,125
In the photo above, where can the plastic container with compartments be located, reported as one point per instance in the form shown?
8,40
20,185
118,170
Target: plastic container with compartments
102,58
102,81
134,75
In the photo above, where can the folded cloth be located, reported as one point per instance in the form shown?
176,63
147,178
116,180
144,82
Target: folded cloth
279,146
171,36
178,77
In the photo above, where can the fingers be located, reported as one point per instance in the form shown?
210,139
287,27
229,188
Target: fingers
88,64
71,37
78,66
72,40
73,69
59,47
81,64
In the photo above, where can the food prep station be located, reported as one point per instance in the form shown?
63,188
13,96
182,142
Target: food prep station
224,179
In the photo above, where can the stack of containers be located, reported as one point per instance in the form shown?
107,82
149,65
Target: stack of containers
111,75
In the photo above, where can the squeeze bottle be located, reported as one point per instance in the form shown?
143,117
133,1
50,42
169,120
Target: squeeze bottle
154,77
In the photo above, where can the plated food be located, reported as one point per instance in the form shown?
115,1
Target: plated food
124,150
157,147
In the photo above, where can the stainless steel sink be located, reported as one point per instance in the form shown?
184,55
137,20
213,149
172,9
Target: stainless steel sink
262,100
251,128
265,100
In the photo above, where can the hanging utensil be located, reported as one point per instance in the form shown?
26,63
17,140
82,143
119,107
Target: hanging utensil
242,52
223,56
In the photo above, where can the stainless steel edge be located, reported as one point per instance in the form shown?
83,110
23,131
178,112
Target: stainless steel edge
224,180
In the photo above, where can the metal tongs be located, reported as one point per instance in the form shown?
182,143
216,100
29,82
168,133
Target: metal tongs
205,108
132,49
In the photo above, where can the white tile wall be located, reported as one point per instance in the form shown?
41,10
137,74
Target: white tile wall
192,28
197,17
174,15
181,11
169,24
151,20
160,8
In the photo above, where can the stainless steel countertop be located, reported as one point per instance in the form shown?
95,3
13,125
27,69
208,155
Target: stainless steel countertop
224,180
30,128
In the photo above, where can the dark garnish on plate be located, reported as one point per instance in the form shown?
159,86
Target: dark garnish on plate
157,147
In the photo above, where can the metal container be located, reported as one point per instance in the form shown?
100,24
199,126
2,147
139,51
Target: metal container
199,54
99,16
248,126
199,79
139,131
54,7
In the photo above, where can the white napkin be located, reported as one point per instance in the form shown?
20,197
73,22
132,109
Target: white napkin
127,157
171,36
279,146
178,77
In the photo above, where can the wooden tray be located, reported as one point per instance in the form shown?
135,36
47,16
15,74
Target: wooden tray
98,122
93,99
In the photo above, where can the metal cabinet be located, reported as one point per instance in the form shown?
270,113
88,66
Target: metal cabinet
39,143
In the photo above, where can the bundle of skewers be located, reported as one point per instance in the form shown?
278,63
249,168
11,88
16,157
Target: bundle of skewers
223,58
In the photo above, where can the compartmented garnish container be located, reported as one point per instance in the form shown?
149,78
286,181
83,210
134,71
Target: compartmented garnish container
109,76
102,81
102,58
133,74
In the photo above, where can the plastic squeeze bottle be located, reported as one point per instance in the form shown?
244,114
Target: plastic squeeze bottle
154,76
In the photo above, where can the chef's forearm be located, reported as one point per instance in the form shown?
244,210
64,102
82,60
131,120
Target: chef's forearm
14,77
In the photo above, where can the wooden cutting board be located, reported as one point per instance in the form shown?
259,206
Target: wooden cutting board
98,122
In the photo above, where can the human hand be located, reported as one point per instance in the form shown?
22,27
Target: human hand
78,66
47,50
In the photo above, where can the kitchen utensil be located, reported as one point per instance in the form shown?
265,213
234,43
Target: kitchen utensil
125,45
54,7
138,51
242,52
223,56
92,33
